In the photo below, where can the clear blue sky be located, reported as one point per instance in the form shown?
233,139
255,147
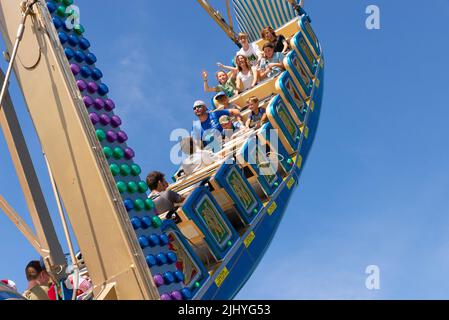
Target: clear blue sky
375,190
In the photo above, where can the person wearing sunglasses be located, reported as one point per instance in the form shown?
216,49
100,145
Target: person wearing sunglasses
207,128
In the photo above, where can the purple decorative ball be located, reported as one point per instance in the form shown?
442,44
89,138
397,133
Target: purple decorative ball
75,69
110,105
111,136
158,280
94,118
99,104
129,153
176,295
165,297
105,119
92,87
88,101
116,121
82,85
122,137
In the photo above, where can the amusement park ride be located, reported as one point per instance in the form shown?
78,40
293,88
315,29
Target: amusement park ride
232,211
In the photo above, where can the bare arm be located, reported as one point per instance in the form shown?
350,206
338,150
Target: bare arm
239,84
236,113
206,84
264,118
248,122
286,47
234,70
255,76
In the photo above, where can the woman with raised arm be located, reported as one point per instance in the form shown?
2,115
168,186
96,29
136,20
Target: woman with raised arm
247,77
226,84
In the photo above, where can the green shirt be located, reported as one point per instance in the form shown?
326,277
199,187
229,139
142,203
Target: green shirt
229,87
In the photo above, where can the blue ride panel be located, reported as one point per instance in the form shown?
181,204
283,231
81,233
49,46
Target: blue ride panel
306,55
314,114
281,120
299,74
202,208
186,260
291,94
270,136
253,155
246,201
306,29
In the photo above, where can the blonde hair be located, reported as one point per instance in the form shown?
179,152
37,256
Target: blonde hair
242,35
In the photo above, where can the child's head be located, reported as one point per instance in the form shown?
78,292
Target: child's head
253,103
268,50
222,98
222,76
243,38
226,122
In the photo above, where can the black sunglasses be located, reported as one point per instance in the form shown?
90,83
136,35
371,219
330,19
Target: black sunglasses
198,107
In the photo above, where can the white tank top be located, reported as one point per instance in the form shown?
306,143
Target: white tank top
247,79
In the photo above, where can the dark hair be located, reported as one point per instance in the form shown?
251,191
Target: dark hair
154,178
268,45
35,272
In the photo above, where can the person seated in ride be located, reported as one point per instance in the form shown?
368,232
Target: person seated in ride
298,6
279,42
249,50
223,102
271,64
225,83
208,126
197,158
247,75
165,201
258,115
39,281
230,129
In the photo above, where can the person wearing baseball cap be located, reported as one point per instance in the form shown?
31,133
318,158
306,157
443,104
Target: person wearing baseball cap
230,129
208,125
222,101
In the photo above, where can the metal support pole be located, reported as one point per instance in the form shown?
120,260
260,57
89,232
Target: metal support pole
29,182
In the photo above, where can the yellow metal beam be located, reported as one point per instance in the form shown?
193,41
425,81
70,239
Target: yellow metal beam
50,248
22,226
220,20
87,188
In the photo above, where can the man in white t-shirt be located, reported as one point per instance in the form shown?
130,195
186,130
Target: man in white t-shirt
249,50
197,159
